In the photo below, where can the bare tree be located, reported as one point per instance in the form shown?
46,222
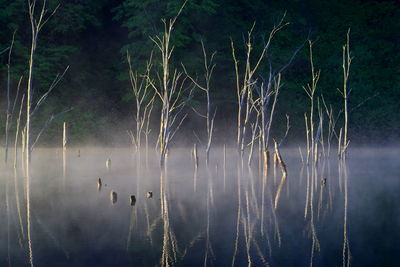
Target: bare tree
210,116
10,109
255,129
331,125
17,130
310,90
170,89
37,21
262,91
345,92
245,85
144,100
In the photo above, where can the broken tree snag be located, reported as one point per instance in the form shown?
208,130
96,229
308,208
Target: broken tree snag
280,161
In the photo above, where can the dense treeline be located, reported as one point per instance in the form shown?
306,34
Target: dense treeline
92,37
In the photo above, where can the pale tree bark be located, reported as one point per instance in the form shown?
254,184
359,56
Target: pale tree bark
144,101
345,92
37,22
209,67
10,109
310,90
170,89
245,85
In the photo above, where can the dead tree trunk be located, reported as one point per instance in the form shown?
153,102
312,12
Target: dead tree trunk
210,116
345,93
170,89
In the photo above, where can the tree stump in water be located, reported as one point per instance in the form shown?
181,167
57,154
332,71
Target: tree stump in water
113,197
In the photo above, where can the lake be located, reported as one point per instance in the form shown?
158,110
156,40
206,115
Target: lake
227,214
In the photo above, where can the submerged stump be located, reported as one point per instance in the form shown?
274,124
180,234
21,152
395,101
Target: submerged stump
132,200
99,184
108,163
113,197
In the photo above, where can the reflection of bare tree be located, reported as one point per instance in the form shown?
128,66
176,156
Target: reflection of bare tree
239,175
274,167
152,227
195,158
277,231
192,242
346,248
321,198
210,190
8,220
210,203
136,211
148,232
28,218
224,167
133,222
315,242
18,203
46,230
340,177
249,216
330,195
266,192
253,193
260,253
28,211
321,202
195,173
278,160
278,191
169,250
321,188
64,150
264,179
248,230
307,193
325,194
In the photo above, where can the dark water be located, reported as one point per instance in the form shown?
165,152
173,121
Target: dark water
215,216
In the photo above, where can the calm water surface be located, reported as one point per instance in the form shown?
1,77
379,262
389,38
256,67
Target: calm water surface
226,214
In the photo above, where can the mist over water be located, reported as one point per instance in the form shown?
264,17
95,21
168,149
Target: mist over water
223,214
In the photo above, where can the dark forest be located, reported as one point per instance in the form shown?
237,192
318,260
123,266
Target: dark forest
93,37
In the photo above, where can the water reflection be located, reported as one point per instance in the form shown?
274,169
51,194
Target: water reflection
8,219
132,224
346,247
239,208
315,247
209,253
169,247
236,216
28,209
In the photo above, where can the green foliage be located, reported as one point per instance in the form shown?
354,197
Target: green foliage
59,39
142,19
92,37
